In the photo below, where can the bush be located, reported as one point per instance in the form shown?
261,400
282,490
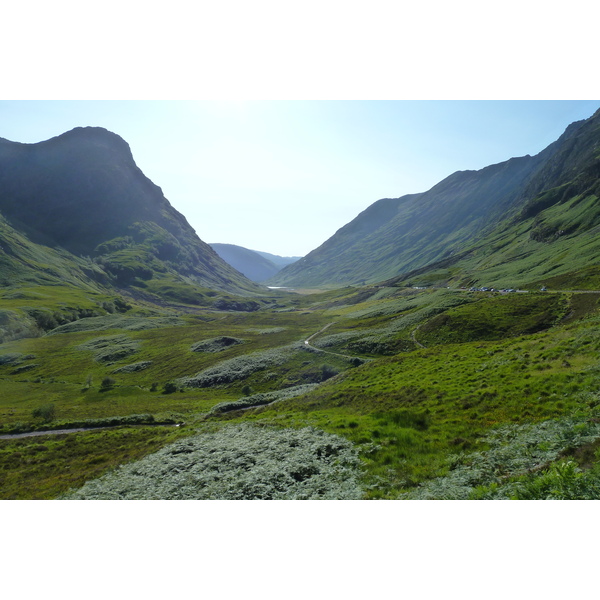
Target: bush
139,366
107,384
327,372
238,368
562,481
169,388
111,349
45,413
217,344
261,399
511,466
241,462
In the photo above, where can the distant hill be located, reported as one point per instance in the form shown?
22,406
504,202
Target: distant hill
257,266
76,208
280,261
532,212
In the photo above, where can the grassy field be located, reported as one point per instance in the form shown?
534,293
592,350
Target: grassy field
415,380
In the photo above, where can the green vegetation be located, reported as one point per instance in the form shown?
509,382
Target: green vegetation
217,344
238,463
450,419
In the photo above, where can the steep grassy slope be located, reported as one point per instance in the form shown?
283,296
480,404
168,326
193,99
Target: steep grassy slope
83,193
508,212
552,237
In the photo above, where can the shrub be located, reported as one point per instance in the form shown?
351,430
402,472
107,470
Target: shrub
118,322
241,462
112,348
238,368
562,481
134,367
327,372
45,413
107,384
169,388
509,468
261,399
217,344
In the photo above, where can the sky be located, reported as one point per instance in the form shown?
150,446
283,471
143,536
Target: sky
282,176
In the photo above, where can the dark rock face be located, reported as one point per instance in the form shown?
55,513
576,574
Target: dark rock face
75,190
83,192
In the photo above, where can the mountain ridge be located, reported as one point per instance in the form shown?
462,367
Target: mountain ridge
82,191
395,237
257,266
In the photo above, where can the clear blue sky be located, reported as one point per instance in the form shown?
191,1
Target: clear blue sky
283,176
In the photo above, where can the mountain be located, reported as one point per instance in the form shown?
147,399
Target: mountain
257,266
545,197
80,203
280,261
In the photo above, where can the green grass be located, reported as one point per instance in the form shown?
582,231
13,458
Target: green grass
405,412
44,467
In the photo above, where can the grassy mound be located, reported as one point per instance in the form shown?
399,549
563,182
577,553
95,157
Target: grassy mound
117,322
111,349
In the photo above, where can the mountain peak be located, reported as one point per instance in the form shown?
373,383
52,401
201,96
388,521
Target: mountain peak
83,192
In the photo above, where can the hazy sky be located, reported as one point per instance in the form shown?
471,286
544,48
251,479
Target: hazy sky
283,176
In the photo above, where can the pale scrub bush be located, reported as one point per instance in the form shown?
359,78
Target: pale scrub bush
217,344
262,399
239,367
241,462
515,451
134,367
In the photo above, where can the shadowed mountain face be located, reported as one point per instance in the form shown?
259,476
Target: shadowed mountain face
395,237
82,192
257,266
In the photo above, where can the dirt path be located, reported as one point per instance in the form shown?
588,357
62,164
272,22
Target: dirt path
309,345
414,338
16,436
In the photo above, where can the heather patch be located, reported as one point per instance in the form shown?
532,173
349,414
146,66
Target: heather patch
516,453
12,358
241,462
238,368
262,399
134,367
217,344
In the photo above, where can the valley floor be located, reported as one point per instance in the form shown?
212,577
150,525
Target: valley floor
375,392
